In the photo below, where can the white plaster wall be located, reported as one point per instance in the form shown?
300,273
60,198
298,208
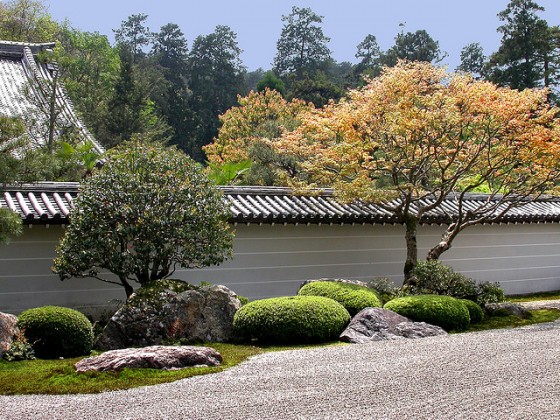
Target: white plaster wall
274,260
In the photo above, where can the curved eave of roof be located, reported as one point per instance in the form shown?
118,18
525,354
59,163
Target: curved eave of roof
52,202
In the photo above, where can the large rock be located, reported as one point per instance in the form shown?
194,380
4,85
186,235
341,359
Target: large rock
154,357
171,310
505,309
8,330
377,324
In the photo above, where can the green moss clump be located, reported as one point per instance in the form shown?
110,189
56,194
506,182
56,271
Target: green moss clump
153,289
353,297
444,311
56,332
291,320
475,311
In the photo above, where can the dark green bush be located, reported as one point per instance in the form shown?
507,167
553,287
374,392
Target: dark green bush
353,297
432,277
294,319
475,311
56,332
386,289
445,311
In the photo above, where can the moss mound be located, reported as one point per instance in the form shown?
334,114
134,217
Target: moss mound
353,297
56,332
294,319
444,311
475,311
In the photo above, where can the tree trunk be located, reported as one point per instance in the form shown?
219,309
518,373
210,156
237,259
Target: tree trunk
445,242
129,290
411,226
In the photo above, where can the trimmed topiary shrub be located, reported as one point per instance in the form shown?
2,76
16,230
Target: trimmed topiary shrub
475,311
293,319
447,312
353,297
56,332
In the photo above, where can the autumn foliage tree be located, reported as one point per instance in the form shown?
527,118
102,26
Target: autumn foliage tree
417,134
249,130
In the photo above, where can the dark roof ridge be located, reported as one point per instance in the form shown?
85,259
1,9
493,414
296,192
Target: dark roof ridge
11,47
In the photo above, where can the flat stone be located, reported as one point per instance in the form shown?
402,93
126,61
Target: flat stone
505,309
8,330
153,357
377,324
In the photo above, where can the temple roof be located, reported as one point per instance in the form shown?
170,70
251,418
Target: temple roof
25,82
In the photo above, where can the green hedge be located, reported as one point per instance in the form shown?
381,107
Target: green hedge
475,311
56,332
353,297
294,319
447,312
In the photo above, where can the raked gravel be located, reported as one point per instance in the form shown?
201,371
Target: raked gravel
500,374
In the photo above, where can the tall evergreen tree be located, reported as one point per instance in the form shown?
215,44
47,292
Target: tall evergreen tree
134,34
527,56
216,77
302,47
473,60
125,116
170,53
413,46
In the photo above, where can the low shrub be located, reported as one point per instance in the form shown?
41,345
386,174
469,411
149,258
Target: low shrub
386,289
353,297
433,277
476,313
56,332
445,311
294,319
19,349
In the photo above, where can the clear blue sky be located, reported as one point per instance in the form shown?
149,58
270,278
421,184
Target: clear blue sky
258,24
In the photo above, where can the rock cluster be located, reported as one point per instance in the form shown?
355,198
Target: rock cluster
8,330
171,313
376,324
154,357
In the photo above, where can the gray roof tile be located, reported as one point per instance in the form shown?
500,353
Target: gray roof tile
52,203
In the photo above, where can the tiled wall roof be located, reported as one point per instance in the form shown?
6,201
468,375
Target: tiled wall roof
19,67
50,203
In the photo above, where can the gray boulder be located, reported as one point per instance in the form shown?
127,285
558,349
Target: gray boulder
8,330
154,357
505,309
377,324
171,310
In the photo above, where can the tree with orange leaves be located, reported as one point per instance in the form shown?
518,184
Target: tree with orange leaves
416,134
249,130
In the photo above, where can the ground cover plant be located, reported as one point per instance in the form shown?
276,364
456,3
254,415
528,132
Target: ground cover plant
352,296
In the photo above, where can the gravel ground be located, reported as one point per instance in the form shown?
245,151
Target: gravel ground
500,374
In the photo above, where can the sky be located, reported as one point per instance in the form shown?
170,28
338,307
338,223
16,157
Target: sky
454,23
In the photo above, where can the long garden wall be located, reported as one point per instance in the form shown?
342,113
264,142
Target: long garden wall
272,260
